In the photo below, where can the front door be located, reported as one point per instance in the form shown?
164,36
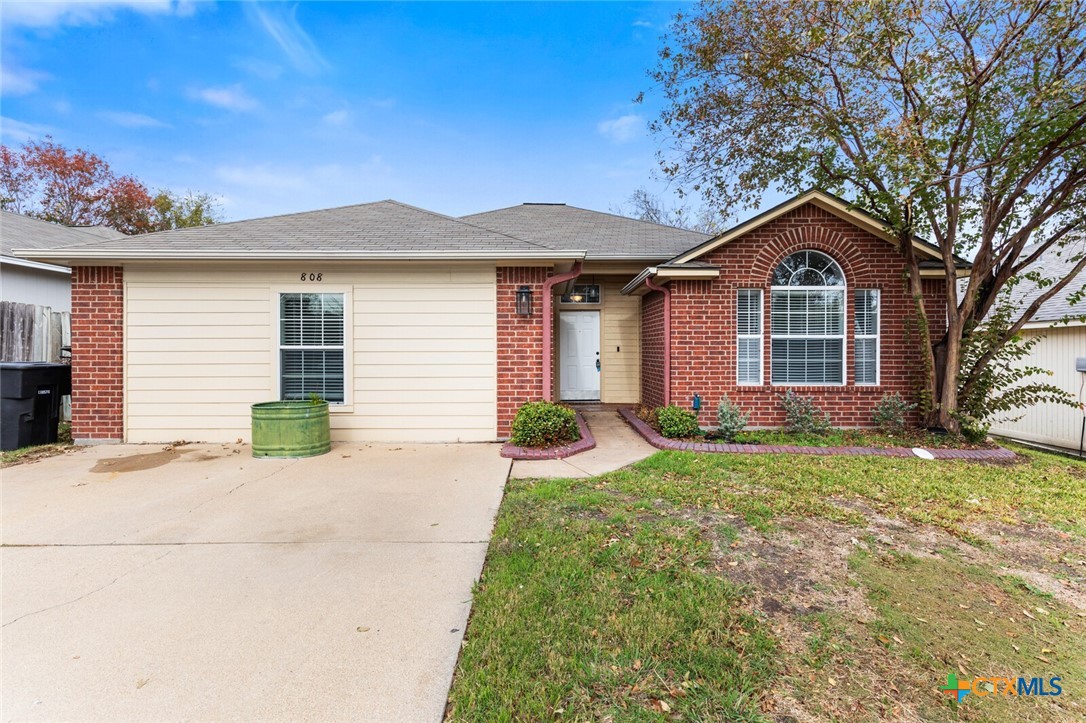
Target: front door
579,358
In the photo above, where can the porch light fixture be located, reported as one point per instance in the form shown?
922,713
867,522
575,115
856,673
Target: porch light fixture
524,301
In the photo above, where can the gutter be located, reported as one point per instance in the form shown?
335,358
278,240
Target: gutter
667,335
548,326
13,261
119,255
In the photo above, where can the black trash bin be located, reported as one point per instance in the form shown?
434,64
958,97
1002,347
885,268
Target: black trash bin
30,395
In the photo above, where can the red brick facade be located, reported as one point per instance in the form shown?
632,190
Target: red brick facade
520,343
703,344
652,349
97,353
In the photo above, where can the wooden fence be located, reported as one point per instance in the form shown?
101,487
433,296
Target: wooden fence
33,333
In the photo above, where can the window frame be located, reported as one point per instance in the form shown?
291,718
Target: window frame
877,337
276,387
843,289
760,336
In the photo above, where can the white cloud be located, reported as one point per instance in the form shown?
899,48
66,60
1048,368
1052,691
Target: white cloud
282,25
52,13
643,24
622,129
131,120
233,98
338,118
19,81
20,132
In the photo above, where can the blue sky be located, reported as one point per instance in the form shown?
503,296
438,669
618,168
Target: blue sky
277,108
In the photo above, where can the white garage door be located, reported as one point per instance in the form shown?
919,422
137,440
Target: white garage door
202,345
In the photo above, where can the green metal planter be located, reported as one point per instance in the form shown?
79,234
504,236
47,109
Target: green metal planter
291,429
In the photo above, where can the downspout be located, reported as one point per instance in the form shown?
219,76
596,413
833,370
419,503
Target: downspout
548,325
667,336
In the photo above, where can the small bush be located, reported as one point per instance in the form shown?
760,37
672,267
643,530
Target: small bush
802,415
730,420
890,413
676,422
544,424
974,430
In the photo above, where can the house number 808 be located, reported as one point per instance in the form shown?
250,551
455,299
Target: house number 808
312,277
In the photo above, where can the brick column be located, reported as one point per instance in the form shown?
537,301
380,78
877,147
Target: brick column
520,343
97,354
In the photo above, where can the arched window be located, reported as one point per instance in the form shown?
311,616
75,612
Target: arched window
807,320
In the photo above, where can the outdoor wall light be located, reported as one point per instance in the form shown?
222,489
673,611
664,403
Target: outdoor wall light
696,404
524,301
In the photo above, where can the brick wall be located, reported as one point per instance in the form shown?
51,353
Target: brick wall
703,320
97,353
652,349
520,343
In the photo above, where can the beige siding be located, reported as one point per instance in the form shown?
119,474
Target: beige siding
201,346
620,353
620,342
1052,423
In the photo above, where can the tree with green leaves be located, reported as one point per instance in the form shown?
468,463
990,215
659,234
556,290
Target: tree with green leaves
962,123
78,188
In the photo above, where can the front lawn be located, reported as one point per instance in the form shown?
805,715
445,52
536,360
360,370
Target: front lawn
725,587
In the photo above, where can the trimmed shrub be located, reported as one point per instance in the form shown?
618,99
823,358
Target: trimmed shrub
675,422
730,420
544,424
802,415
890,412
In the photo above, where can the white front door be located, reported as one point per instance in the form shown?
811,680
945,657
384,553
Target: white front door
579,358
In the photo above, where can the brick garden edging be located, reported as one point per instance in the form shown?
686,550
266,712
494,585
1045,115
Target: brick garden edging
660,442
585,443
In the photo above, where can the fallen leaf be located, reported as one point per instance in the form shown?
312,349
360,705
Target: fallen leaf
1028,615
1016,648
1041,610
362,629
832,682
898,640
961,669
1043,659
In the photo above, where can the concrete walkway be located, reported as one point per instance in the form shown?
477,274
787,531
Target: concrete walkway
198,583
617,445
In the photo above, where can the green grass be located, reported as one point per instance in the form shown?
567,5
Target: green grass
960,618
30,454
588,609
630,596
948,494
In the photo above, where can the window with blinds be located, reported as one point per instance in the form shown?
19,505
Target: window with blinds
807,321
311,347
748,324
866,305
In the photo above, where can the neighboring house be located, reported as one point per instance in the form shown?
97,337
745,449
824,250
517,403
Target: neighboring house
424,327
31,282
1059,346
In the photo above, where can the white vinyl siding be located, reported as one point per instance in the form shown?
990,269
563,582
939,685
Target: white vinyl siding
866,343
748,324
202,345
1048,422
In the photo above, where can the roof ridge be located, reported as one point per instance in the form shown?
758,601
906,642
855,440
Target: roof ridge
468,223
591,210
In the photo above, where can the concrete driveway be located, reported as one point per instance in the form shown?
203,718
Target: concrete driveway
143,583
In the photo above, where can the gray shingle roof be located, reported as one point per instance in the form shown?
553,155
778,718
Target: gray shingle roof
22,232
1054,264
380,229
602,235
100,231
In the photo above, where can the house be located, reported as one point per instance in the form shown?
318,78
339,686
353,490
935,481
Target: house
32,282
423,327
1060,344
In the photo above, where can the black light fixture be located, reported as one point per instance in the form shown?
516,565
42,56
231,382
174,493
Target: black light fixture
524,301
